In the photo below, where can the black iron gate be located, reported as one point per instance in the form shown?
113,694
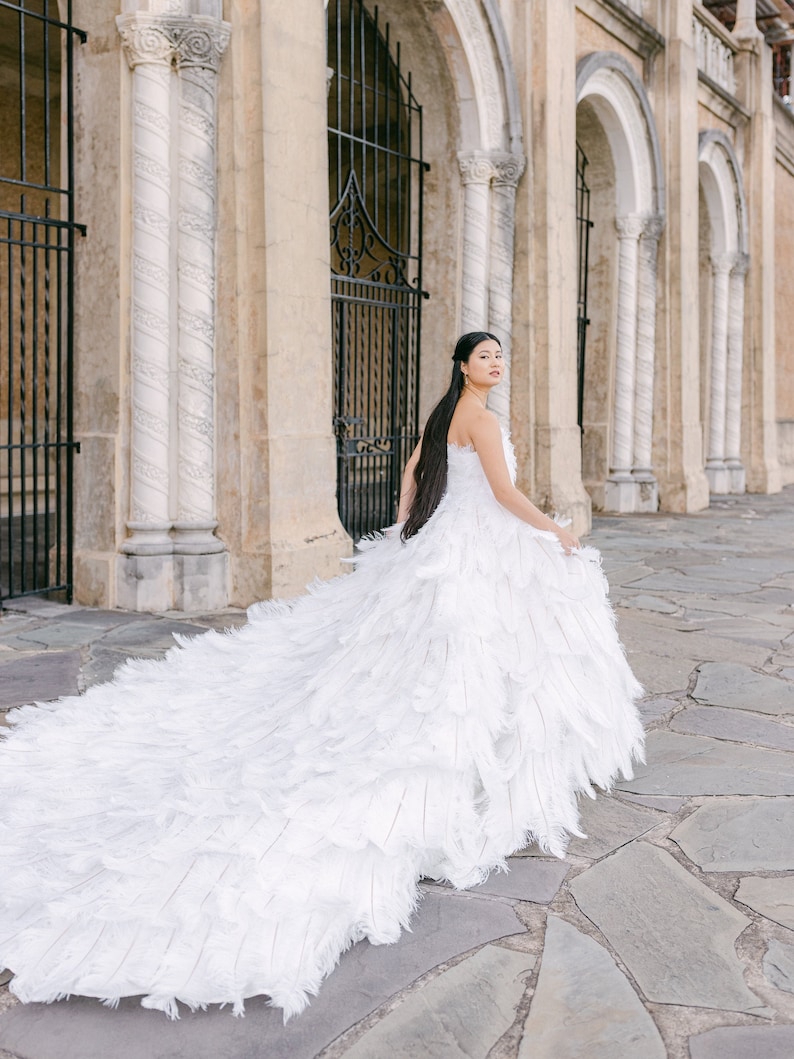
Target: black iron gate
376,175
37,235
583,226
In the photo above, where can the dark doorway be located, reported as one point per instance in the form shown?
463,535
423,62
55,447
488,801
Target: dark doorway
376,177
37,236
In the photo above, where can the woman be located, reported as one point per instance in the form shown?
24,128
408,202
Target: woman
225,822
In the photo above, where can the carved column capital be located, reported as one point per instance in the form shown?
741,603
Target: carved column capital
200,41
740,265
630,226
476,167
652,228
181,40
723,264
508,169
145,39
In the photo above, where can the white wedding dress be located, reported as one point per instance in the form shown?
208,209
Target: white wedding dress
225,822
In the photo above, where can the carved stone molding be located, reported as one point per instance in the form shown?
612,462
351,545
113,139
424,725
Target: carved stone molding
173,40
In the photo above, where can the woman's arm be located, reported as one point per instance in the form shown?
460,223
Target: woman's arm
487,439
408,487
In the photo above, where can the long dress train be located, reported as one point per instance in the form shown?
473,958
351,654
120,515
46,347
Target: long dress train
223,823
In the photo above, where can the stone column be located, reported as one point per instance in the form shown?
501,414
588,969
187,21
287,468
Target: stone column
476,170
642,472
733,382
716,472
755,92
507,173
745,26
620,493
172,558
199,52
544,377
683,485
148,49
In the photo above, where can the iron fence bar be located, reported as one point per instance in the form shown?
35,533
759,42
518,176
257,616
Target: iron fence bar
28,13
584,224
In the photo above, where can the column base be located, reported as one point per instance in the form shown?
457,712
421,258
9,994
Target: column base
719,477
196,538
630,495
154,583
738,476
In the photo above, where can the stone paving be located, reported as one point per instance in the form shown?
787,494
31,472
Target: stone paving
668,932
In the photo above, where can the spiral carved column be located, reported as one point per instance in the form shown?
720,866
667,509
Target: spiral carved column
646,355
733,381
477,170
148,50
620,493
198,56
173,558
507,173
716,471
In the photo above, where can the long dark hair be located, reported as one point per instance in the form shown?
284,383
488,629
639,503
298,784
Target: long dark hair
430,472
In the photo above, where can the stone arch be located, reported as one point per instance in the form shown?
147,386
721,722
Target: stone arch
724,263
467,50
614,116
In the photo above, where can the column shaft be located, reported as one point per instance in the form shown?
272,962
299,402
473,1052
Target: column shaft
150,495
476,172
646,347
733,383
715,464
193,532
629,229
508,170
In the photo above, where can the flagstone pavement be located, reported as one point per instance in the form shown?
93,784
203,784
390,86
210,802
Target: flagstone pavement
668,932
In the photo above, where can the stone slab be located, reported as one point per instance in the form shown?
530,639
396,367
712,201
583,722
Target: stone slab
652,603
655,708
459,1014
444,926
738,726
744,1042
584,1006
59,634
39,677
778,965
740,834
771,898
675,582
664,805
674,934
609,824
153,635
529,879
101,619
686,765
103,663
739,687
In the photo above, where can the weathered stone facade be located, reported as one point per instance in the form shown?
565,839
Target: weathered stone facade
204,363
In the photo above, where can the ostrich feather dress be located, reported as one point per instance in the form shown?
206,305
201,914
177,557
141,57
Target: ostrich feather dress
226,821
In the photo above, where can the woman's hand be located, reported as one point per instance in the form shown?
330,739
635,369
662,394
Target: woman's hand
567,540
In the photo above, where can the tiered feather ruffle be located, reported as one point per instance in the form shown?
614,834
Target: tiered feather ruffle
225,822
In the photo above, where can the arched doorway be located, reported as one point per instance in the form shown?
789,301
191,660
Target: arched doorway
615,132
723,266
376,175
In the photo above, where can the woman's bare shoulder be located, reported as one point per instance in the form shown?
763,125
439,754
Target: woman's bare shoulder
471,422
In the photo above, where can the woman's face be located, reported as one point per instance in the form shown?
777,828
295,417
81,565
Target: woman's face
485,366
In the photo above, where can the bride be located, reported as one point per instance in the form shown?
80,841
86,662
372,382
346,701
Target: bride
225,822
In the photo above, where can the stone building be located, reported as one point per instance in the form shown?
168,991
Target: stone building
238,239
